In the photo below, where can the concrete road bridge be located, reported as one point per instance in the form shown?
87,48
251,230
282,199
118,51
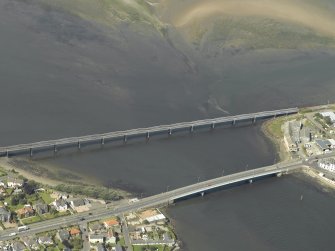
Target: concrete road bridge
166,198
146,133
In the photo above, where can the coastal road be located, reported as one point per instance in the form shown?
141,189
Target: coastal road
156,200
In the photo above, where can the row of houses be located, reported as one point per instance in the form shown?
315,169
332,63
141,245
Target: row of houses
77,204
330,166
11,182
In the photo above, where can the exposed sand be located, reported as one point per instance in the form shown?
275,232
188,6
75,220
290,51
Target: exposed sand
319,19
321,180
4,163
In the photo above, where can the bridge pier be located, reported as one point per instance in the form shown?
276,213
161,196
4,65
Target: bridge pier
212,125
234,122
55,148
125,138
148,135
170,132
202,194
78,144
192,128
7,153
254,120
102,140
250,181
31,152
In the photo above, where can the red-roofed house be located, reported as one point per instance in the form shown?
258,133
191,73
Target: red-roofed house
111,223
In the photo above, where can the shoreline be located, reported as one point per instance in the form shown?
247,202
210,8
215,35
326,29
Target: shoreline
276,141
274,132
51,176
324,182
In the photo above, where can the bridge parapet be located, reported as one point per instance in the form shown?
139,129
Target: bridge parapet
102,139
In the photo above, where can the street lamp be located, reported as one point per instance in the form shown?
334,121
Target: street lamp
167,188
222,172
198,179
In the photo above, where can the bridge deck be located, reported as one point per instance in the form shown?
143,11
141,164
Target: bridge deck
101,138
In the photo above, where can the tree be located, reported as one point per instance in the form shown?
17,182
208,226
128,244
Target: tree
30,186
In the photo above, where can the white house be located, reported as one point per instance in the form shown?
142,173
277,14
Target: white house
96,238
329,114
60,205
14,182
110,239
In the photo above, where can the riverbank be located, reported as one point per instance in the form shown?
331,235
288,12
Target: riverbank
60,179
323,181
273,131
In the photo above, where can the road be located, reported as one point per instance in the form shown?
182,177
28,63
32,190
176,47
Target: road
125,232
102,138
156,200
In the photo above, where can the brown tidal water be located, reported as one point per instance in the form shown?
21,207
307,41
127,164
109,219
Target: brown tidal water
62,76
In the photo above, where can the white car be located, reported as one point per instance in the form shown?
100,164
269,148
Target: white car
12,234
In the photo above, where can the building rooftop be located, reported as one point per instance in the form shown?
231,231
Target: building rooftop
111,222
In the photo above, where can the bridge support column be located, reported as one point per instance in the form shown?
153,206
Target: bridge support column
55,148
125,138
102,141
192,128
250,181
212,125
254,120
31,152
202,194
7,153
234,122
79,145
170,132
148,135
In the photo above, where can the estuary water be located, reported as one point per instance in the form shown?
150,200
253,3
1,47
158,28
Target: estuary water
62,76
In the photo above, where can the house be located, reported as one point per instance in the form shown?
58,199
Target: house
4,215
18,246
26,211
45,240
75,203
96,227
3,182
41,208
17,190
110,239
110,223
74,232
60,205
31,243
329,114
63,235
96,238
14,182
2,190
